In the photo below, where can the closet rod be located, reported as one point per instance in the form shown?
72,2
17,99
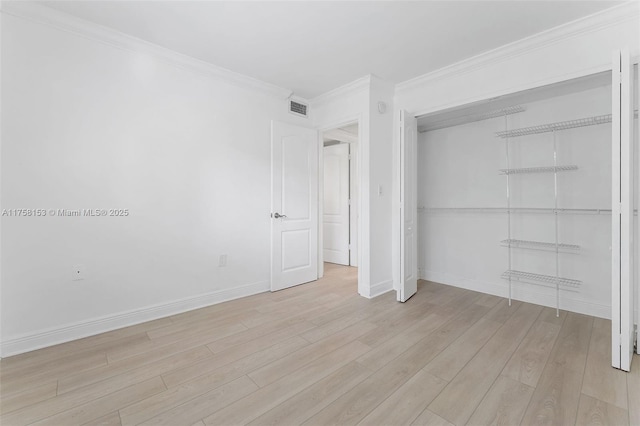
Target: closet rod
523,210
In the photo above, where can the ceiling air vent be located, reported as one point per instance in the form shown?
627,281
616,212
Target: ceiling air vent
298,108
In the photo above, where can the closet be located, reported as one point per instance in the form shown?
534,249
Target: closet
515,196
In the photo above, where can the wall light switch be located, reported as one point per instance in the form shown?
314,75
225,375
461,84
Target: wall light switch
223,260
379,190
78,272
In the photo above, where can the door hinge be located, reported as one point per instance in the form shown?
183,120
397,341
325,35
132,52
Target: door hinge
349,201
349,247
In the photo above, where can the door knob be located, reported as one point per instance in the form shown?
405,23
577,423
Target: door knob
278,215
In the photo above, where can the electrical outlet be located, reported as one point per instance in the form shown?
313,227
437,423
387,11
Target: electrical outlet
223,260
78,272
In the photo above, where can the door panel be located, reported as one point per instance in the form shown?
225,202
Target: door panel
636,201
294,205
295,177
615,216
336,204
622,294
408,207
292,257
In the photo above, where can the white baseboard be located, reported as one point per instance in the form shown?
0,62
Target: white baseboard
78,330
380,288
568,301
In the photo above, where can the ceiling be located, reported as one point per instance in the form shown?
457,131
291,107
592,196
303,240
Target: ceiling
313,47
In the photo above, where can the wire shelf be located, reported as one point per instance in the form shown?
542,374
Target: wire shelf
471,118
550,169
544,279
552,127
520,210
537,244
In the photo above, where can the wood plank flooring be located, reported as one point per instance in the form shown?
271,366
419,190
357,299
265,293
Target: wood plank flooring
319,354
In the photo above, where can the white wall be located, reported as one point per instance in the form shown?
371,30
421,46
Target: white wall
381,186
359,101
90,125
458,167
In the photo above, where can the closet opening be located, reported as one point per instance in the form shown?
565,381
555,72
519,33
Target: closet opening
516,196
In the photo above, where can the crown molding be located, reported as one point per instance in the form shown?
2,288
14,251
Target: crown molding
609,17
349,88
45,15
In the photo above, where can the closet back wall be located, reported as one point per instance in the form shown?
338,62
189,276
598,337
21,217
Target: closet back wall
459,167
88,125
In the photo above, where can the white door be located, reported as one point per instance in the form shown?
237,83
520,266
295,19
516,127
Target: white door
636,168
622,296
294,205
408,207
336,204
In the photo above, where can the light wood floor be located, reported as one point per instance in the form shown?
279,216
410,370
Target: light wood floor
319,354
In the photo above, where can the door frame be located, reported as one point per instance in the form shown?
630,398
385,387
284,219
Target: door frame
360,179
